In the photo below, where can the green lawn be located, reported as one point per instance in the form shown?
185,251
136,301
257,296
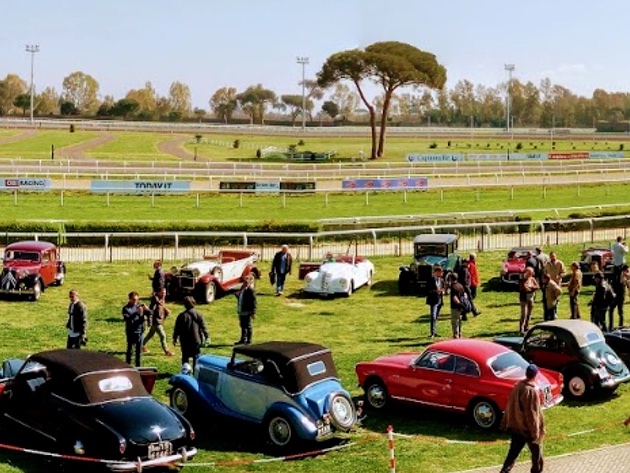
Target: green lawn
129,146
8,133
227,207
39,145
373,322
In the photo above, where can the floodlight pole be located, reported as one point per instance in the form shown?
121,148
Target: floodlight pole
303,61
32,48
510,69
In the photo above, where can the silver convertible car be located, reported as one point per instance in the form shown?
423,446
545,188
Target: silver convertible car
342,275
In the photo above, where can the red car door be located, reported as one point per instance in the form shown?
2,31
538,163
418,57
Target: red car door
428,381
545,348
48,267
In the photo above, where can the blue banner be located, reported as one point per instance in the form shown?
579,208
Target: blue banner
394,184
606,155
140,187
21,184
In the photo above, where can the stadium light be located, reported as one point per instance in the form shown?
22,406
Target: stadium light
510,69
32,48
303,61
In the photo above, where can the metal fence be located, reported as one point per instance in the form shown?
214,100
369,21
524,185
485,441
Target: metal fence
389,241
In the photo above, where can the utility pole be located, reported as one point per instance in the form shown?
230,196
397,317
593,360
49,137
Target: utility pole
32,48
510,69
304,61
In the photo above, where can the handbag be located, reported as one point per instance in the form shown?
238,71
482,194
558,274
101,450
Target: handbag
272,277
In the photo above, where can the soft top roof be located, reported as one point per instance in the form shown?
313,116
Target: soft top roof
281,353
440,238
585,332
79,362
30,246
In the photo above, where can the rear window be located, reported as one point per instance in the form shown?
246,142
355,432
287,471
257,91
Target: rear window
592,337
316,368
21,256
509,365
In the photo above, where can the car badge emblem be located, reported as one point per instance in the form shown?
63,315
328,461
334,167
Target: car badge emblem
612,359
157,430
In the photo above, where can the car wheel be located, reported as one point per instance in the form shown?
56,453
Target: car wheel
218,274
179,401
576,385
342,413
369,281
485,414
37,291
207,293
279,431
376,394
350,289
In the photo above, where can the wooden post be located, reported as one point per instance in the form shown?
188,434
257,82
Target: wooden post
197,199
61,197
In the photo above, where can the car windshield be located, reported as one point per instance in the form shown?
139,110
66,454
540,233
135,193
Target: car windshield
427,249
12,255
509,365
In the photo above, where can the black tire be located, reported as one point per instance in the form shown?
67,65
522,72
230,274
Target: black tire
279,431
577,385
180,401
343,415
206,293
376,396
350,289
37,291
404,283
484,414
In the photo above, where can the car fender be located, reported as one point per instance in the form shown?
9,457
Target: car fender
205,279
304,426
581,368
403,268
251,269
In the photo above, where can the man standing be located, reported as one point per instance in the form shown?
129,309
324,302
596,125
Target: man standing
457,295
190,330
281,266
619,251
525,422
619,285
134,314
246,309
574,287
465,279
554,268
435,298
159,313
528,285
157,279
601,301
474,274
77,321
551,296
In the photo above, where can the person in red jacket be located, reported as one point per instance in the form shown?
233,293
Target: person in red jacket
474,274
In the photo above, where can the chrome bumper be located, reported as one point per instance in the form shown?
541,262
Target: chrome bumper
162,461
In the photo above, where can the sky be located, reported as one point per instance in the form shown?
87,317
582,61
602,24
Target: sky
209,44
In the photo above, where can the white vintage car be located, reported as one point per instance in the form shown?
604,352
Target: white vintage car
343,275
212,276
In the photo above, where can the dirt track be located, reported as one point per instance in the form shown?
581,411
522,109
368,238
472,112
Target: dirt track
78,151
174,147
19,137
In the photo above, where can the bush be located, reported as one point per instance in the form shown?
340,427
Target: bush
433,145
519,145
292,148
258,153
198,138
621,147
301,143
236,144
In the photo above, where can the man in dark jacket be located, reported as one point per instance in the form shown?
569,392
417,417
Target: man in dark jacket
157,279
159,314
77,321
465,280
457,308
190,331
281,266
246,304
603,297
436,288
134,313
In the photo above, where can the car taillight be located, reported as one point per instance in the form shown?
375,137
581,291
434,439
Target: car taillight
192,434
122,446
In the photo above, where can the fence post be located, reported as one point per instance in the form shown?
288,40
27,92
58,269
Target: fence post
542,232
375,245
590,221
197,199
15,197
61,197
310,247
106,244
390,445
245,240
326,199
367,198
175,256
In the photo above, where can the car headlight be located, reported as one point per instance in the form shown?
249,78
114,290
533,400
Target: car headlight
22,273
174,270
309,278
343,281
196,272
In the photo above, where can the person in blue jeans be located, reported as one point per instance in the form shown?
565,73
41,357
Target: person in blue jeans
281,267
134,314
436,288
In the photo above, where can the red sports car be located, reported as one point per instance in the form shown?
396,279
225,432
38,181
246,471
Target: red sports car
465,375
514,265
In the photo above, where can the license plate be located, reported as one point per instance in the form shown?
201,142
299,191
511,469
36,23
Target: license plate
547,393
323,430
160,449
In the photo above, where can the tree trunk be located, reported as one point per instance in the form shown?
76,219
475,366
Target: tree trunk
381,139
370,108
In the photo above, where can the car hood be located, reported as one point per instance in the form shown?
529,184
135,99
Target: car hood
431,260
140,421
22,266
400,359
336,269
204,267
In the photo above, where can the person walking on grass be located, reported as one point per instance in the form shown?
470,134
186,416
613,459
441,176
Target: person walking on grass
573,288
281,267
603,298
525,421
190,330
77,321
528,285
457,294
436,288
474,275
159,313
134,314
246,305
550,297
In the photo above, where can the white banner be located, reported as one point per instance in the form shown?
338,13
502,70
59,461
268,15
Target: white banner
270,186
606,154
486,156
434,157
527,156
14,183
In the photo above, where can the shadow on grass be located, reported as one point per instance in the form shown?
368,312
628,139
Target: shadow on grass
385,288
496,285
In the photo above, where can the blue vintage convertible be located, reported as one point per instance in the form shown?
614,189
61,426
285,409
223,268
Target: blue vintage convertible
290,389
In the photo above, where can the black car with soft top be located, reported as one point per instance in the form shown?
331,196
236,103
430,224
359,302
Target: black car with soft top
90,404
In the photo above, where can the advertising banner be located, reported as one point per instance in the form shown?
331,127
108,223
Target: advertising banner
574,155
434,157
486,156
527,156
140,187
268,186
14,183
397,184
606,155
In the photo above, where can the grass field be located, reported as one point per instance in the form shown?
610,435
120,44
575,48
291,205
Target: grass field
227,207
219,147
374,321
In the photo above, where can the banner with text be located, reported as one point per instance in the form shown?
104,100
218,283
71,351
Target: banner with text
606,155
20,184
434,157
527,156
564,156
486,156
140,187
267,186
394,184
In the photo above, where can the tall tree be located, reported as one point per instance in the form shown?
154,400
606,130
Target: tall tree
179,99
346,99
48,102
330,108
10,87
294,104
82,90
254,101
146,98
390,64
23,102
223,103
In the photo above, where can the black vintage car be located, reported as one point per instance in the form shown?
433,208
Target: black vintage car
575,348
428,250
90,404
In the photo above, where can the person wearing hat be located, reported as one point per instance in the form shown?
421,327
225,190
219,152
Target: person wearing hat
603,298
524,420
